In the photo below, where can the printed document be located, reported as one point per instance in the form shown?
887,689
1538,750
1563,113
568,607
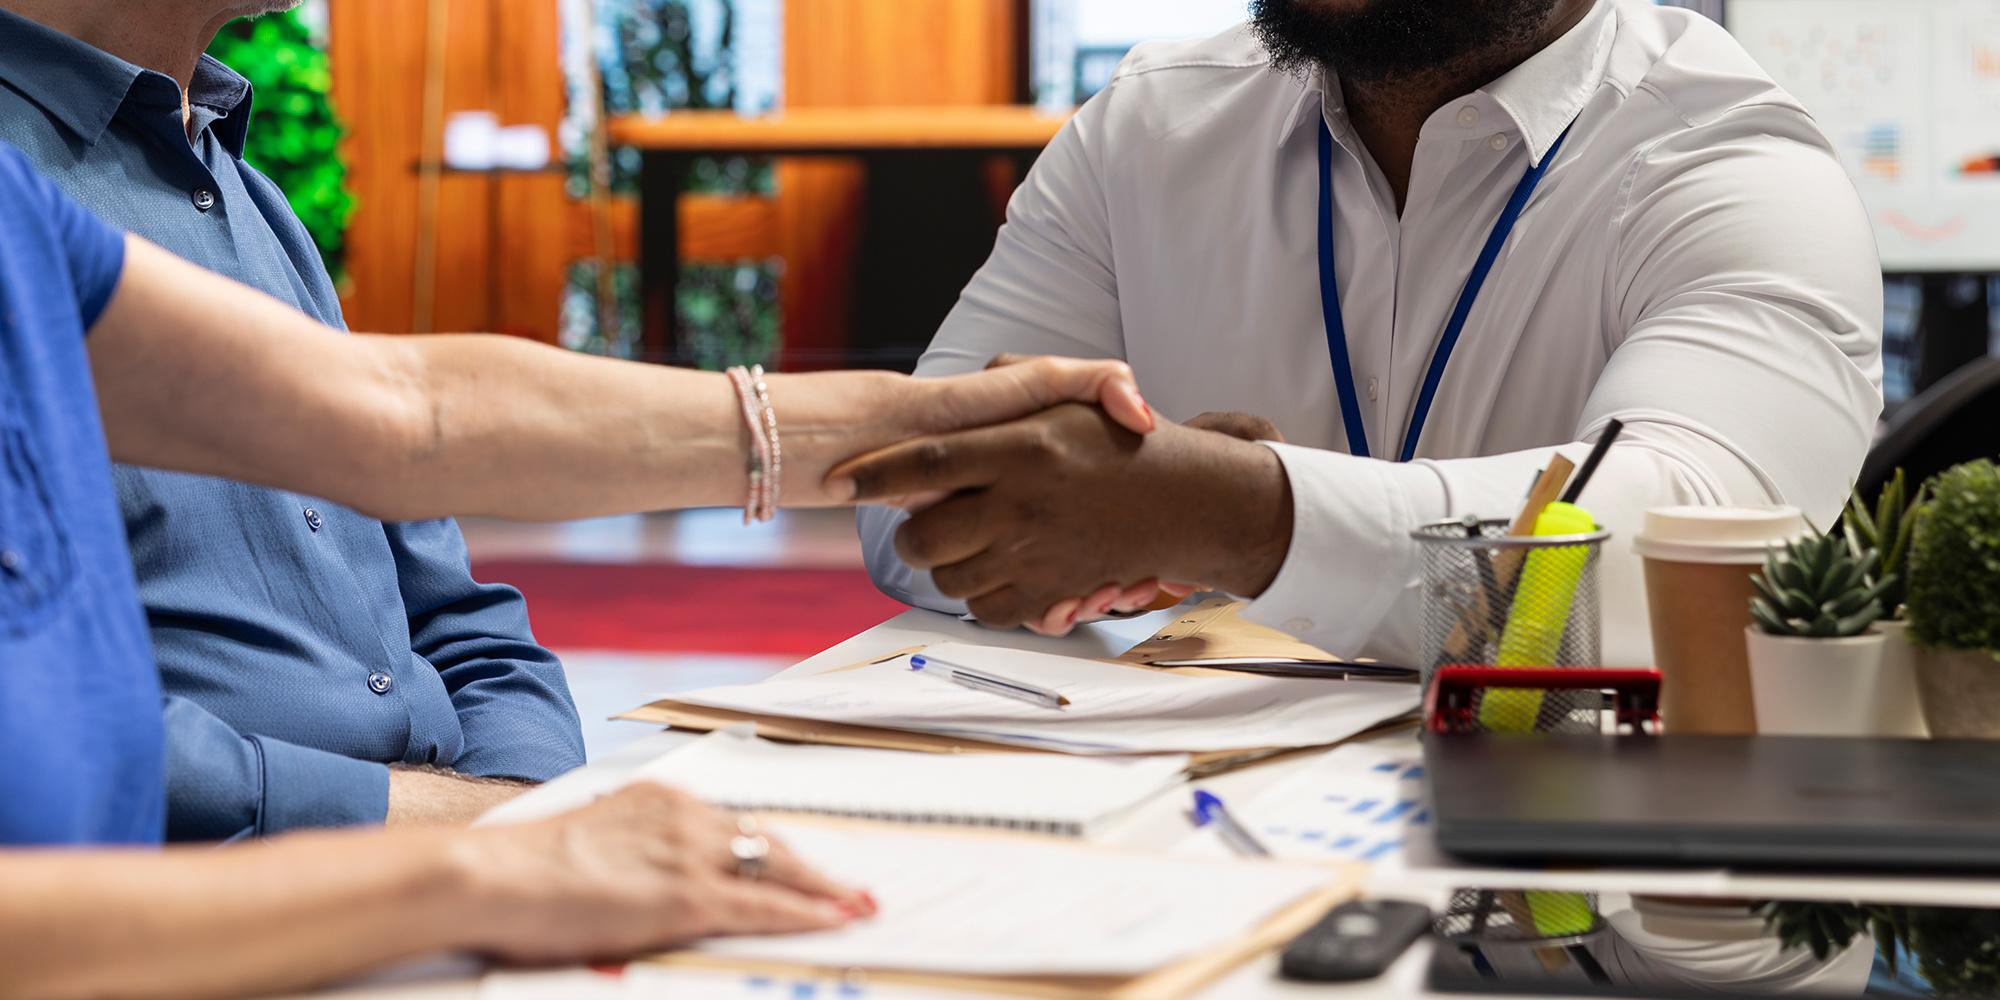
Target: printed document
1113,708
990,904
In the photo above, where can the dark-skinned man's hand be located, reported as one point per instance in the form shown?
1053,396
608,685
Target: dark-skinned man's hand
1244,426
1150,595
1067,503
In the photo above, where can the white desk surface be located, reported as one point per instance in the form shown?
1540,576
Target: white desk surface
1162,822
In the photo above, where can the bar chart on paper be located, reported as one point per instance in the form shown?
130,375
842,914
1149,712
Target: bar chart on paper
1362,802
1909,93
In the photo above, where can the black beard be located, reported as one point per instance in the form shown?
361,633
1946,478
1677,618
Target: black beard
1388,39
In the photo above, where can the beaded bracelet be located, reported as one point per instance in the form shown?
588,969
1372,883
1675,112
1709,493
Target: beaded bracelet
774,478
764,462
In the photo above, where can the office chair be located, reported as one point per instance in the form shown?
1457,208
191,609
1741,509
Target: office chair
1956,420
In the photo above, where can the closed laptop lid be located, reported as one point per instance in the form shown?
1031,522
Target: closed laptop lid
1746,801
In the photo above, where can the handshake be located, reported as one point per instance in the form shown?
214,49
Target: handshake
1079,511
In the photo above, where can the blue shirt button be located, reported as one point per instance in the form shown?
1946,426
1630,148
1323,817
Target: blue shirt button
10,560
204,199
380,682
313,519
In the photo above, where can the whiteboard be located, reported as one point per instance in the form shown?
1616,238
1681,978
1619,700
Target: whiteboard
1909,92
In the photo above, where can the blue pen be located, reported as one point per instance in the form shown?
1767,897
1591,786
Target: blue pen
1209,809
981,680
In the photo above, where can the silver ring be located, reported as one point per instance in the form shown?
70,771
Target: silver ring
749,848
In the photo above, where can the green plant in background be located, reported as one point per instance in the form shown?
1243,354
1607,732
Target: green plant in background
1954,594
1887,532
1816,587
295,135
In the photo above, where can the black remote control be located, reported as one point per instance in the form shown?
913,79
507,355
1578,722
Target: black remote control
1355,941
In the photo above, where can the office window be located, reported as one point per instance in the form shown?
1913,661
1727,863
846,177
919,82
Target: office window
656,57
1078,43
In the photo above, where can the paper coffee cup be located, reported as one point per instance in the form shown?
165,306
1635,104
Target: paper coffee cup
1698,564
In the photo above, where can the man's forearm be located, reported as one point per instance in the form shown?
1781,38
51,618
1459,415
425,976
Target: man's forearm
1249,534
423,796
262,917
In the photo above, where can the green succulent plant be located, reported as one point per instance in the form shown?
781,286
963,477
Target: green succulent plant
1815,587
1954,600
1887,531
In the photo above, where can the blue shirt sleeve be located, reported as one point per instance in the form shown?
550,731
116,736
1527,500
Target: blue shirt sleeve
224,785
512,701
95,251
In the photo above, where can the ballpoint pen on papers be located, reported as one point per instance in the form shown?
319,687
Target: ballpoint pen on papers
992,683
1209,809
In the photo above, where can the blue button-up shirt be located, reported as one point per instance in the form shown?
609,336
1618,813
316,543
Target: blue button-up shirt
302,646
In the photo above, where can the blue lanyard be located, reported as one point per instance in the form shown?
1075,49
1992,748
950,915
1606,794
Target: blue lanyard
1336,326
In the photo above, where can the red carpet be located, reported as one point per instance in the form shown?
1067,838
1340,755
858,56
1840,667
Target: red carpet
667,608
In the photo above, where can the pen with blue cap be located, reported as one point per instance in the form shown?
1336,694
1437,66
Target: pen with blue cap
1208,809
992,683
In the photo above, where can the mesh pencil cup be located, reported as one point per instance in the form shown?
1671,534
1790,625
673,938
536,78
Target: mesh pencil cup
1496,600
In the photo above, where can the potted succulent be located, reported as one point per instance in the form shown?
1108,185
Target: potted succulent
1815,660
1954,602
1887,531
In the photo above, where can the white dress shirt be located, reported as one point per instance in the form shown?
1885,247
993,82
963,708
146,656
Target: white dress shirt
1694,264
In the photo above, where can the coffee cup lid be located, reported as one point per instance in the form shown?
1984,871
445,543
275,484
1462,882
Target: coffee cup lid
1733,535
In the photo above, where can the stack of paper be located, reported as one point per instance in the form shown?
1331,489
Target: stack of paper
1040,793
1113,709
978,904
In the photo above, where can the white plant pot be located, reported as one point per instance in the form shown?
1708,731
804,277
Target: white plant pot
1820,687
1902,705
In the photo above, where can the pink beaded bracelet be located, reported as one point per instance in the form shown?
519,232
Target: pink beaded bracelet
765,457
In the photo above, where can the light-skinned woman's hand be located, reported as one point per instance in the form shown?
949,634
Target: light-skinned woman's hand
645,869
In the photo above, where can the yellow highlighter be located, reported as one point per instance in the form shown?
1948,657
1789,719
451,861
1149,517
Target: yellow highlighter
1535,624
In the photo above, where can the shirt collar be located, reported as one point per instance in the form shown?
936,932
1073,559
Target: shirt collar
83,87
1545,94
1542,95
225,91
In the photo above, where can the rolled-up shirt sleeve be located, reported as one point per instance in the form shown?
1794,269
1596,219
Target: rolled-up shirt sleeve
223,784
1746,367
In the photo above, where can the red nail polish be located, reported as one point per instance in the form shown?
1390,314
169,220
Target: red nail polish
868,900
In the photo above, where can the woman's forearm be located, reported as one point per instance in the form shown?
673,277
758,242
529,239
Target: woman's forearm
199,374
257,918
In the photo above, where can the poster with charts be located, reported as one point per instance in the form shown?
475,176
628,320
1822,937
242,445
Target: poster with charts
1909,92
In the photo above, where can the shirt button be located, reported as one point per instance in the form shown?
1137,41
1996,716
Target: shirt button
313,520
10,560
1468,116
1374,387
1498,142
204,199
1299,626
380,682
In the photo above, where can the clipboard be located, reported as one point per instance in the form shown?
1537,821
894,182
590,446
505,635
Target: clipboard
1167,983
